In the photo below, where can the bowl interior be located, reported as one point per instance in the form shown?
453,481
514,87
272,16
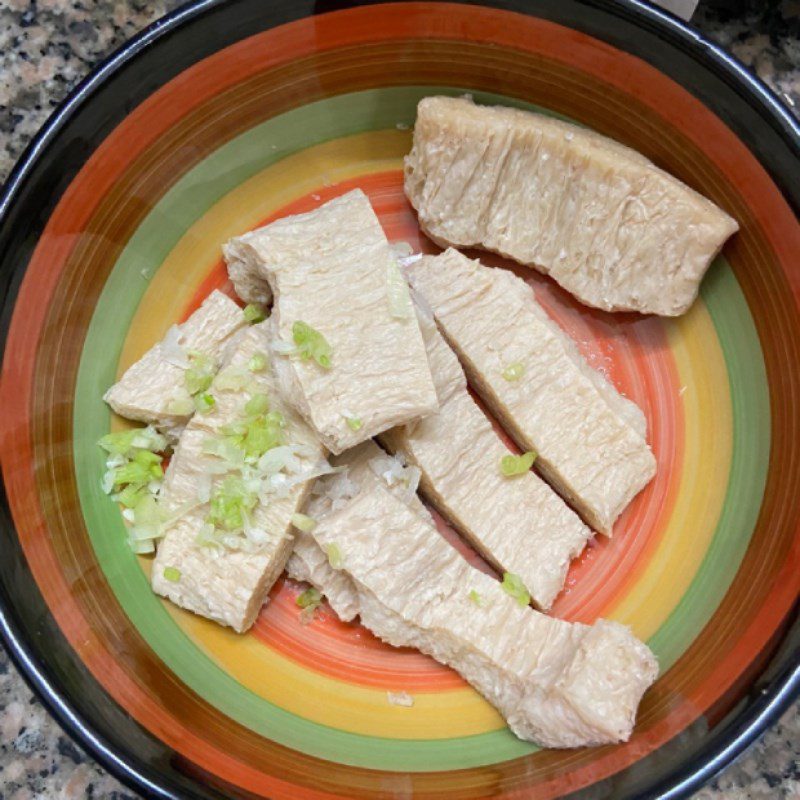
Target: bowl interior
703,565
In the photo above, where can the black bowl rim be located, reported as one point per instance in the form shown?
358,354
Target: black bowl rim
727,744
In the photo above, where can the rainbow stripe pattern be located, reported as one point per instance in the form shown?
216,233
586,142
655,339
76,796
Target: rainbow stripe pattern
704,563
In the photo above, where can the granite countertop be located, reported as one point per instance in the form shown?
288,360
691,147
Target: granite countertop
46,46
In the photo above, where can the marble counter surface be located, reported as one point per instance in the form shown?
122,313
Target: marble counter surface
46,46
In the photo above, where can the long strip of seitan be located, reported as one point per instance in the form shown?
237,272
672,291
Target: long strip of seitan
332,272
153,389
556,683
222,580
588,438
608,225
519,524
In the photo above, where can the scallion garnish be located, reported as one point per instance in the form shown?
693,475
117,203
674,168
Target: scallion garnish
517,465
513,586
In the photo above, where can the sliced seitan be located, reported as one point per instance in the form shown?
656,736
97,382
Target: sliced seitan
229,584
333,269
519,524
364,465
556,683
152,390
604,222
588,438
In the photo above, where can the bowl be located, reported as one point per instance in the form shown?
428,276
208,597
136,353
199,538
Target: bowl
225,115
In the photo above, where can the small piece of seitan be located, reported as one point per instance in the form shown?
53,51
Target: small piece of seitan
604,222
588,438
224,584
365,464
152,390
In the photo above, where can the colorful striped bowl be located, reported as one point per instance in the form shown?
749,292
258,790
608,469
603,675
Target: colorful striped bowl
229,114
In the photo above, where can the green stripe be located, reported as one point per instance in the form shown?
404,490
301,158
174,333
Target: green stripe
189,199
749,394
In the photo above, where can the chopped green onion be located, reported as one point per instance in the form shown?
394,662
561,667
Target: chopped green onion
206,536
125,443
311,344
262,435
476,598
334,555
258,363
130,495
258,404
172,574
230,502
303,522
254,313
517,465
147,513
354,423
232,379
310,598
119,442
226,449
397,291
513,586
513,372
198,376
181,406
146,458
135,473
205,402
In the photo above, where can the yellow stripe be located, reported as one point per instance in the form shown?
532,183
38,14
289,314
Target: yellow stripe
708,443
341,705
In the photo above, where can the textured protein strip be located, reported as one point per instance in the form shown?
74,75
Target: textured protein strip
308,562
520,525
556,683
153,388
330,268
604,222
228,586
589,439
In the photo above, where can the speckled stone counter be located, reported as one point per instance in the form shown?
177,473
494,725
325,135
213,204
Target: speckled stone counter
46,46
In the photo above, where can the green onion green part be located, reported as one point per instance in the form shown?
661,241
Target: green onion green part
310,598
258,404
204,402
303,522
254,313
334,555
172,574
311,344
477,598
513,372
258,363
513,586
198,375
230,503
517,465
